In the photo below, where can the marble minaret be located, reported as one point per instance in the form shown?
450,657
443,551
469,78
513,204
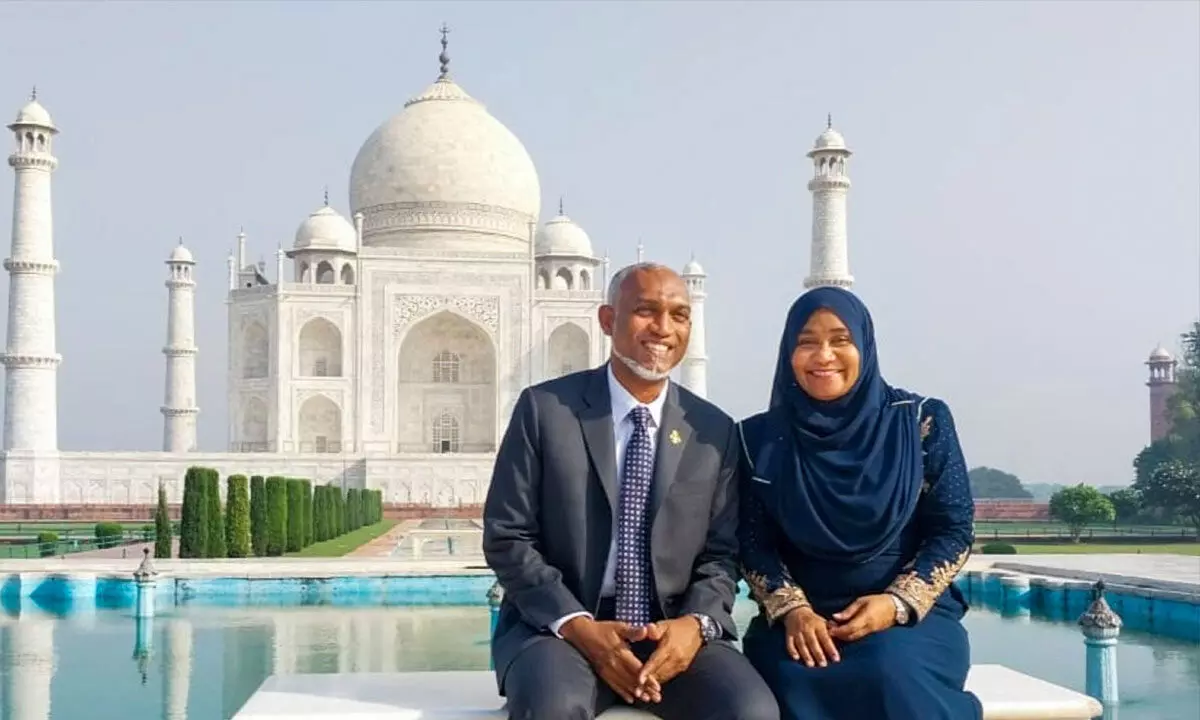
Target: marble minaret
693,371
31,360
830,262
1163,384
179,409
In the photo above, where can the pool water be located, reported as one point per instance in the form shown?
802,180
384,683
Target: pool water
203,663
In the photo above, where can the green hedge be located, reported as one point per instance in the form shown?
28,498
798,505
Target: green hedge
47,543
320,514
237,516
215,516
193,526
308,513
295,520
997,548
277,515
258,516
338,519
162,526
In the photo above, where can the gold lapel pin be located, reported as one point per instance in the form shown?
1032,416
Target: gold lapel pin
674,437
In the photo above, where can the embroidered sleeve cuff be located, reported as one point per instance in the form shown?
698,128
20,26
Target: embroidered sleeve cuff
777,599
920,594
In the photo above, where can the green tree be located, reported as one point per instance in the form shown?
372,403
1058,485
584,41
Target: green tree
339,512
277,515
162,526
320,514
215,547
308,513
1176,484
295,511
1127,504
193,520
1080,506
989,483
1182,444
258,516
237,516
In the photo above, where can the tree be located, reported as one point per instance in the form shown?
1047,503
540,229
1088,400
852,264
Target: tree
295,515
1176,484
258,516
162,526
277,515
237,517
215,547
307,528
1079,507
320,514
1127,504
193,521
989,483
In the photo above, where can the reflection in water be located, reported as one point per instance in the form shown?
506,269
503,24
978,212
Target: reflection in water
204,663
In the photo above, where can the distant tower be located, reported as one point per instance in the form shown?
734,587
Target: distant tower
31,410
693,372
179,408
1162,386
830,262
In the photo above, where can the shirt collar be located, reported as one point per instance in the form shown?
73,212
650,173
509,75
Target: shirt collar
623,402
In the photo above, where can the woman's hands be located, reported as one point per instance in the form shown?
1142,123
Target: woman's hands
808,638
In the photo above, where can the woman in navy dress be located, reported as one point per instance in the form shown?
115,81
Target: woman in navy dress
856,515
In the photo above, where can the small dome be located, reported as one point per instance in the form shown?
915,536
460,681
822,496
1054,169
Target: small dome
561,236
830,140
1160,354
693,268
181,254
326,229
34,114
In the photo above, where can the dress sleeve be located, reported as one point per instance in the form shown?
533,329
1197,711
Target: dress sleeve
945,514
758,541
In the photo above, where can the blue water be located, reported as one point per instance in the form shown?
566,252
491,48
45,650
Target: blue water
203,660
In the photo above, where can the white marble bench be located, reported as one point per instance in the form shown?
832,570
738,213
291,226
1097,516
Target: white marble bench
471,695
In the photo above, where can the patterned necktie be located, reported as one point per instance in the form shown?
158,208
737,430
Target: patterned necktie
633,556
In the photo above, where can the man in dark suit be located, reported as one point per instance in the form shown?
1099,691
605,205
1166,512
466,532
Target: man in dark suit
610,525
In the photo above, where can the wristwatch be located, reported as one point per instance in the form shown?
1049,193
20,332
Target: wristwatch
709,629
901,609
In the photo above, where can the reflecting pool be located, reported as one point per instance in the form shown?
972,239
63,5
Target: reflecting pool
202,663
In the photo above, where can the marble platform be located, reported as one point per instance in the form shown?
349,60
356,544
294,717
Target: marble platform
471,695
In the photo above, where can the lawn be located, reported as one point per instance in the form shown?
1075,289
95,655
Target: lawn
1190,548
340,546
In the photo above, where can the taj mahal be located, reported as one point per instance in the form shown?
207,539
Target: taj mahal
391,343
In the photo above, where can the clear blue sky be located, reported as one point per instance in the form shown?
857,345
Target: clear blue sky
1024,219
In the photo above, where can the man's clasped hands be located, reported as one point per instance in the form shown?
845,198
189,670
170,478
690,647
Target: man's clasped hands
607,646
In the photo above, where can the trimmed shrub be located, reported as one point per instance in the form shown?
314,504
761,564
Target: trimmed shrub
275,489
162,526
237,517
109,534
308,512
47,543
193,527
320,516
337,512
258,516
997,548
216,518
295,519
351,510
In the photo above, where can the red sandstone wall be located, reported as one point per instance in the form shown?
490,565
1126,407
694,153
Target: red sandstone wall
83,513
1011,510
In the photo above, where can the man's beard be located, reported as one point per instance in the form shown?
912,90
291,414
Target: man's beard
640,370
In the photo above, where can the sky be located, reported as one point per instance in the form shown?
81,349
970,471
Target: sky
1024,220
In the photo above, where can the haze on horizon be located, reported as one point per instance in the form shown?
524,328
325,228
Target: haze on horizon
1024,220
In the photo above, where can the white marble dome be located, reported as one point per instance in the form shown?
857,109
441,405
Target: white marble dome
563,236
444,162
1160,354
326,229
693,268
830,140
34,114
181,254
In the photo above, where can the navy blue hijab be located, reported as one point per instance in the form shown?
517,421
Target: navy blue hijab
847,473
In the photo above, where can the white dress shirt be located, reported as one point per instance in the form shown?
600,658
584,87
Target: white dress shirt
622,404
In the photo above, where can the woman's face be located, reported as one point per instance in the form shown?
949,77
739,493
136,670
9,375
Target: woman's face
826,360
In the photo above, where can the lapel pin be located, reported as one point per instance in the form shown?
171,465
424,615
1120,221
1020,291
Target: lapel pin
674,437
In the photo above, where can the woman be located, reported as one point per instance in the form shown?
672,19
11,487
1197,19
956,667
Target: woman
856,514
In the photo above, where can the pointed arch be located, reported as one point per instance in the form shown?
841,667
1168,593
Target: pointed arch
567,350
320,345
320,425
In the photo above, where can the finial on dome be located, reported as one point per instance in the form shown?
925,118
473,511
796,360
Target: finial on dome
444,59
639,250
326,196
180,241
828,121
560,206
33,94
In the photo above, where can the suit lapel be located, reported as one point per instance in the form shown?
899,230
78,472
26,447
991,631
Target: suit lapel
597,424
673,436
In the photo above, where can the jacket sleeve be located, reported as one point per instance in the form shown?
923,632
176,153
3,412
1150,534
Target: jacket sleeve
512,517
758,540
713,587
945,514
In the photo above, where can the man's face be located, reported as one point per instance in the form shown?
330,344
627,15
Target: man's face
650,323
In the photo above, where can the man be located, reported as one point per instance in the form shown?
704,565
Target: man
610,525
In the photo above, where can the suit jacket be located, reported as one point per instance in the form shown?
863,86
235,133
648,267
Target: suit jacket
548,518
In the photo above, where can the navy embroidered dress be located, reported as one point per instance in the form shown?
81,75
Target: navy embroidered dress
802,544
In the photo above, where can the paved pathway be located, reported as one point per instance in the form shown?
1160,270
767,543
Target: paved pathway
383,545
1179,573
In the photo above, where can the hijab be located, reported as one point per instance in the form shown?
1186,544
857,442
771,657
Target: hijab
847,473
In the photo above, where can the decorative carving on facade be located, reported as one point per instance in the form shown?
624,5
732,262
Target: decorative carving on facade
484,309
389,217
